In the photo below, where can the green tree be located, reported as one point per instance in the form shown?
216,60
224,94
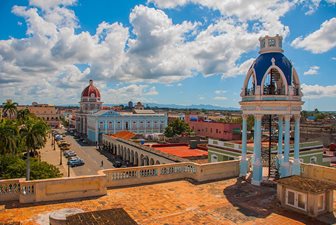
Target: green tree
9,139
23,115
10,108
34,135
177,127
14,167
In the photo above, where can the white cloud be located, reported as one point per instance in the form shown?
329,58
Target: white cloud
318,91
333,58
218,92
320,41
124,94
220,98
201,98
313,70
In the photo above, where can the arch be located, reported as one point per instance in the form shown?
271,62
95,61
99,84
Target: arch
146,161
141,159
296,83
128,157
151,162
282,76
250,72
157,162
132,157
136,159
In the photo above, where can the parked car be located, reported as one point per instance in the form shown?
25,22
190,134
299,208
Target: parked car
69,153
65,147
76,161
117,163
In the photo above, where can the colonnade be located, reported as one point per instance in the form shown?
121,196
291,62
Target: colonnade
130,155
282,153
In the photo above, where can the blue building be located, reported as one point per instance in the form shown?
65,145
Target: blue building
137,121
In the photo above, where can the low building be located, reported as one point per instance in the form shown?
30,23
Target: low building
137,121
217,130
47,112
305,195
310,152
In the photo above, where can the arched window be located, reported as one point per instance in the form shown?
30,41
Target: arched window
250,87
273,83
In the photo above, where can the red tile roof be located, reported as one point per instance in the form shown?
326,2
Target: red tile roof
126,135
183,151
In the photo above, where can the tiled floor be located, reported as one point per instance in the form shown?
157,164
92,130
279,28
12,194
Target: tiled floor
179,202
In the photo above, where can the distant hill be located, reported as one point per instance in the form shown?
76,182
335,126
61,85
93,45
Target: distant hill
200,106
174,106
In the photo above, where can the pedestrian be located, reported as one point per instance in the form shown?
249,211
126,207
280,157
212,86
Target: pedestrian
102,163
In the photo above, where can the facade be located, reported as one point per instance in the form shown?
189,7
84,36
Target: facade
271,87
137,121
90,103
216,130
46,112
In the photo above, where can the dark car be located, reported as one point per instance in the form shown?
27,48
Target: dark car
117,163
75,161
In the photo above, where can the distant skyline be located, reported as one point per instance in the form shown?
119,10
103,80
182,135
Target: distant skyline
158,51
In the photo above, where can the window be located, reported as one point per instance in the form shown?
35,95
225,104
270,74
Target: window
320,202
214,158
262,43
216,131
313,159
301,160
271,42
296,199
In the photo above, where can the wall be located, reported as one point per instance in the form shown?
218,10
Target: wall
216,130
175,171
96,185
318,172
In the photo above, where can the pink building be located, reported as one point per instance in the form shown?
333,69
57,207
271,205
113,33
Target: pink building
216,130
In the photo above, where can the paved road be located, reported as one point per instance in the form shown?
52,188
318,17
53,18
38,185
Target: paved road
91,157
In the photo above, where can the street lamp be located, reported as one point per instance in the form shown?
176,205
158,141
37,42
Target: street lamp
69,167
60,156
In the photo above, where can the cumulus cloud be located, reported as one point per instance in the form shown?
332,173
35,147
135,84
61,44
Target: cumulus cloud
152,49
318,91
132,92
321,40
313,70
220,98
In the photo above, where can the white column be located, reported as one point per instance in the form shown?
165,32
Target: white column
296,163
257,164
284,169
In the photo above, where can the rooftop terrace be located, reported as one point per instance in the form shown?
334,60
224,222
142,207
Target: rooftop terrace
179,202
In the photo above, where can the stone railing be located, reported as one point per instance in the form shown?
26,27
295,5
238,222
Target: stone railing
96,185
314,171
10,189
161,173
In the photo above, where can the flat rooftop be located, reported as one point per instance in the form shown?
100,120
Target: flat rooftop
183,151
179,202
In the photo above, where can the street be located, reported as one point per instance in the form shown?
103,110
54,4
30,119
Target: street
91,157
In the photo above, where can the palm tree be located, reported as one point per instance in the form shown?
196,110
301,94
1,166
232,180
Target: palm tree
10,108
9,139
23,115
34,135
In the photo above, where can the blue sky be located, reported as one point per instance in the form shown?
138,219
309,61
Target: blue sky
178,52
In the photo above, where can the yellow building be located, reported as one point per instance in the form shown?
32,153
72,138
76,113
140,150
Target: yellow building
47,112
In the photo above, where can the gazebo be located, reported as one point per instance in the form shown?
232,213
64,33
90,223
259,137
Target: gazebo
271,87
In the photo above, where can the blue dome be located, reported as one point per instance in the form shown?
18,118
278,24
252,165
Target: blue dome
264,61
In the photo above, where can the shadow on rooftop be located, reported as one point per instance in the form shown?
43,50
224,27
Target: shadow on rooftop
251,202
16,204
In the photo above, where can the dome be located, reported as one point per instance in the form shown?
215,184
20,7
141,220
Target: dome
91,91
264,61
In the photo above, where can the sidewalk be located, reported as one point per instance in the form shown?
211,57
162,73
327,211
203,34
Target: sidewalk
48,154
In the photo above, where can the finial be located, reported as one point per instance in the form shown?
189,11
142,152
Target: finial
273,61
91,82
